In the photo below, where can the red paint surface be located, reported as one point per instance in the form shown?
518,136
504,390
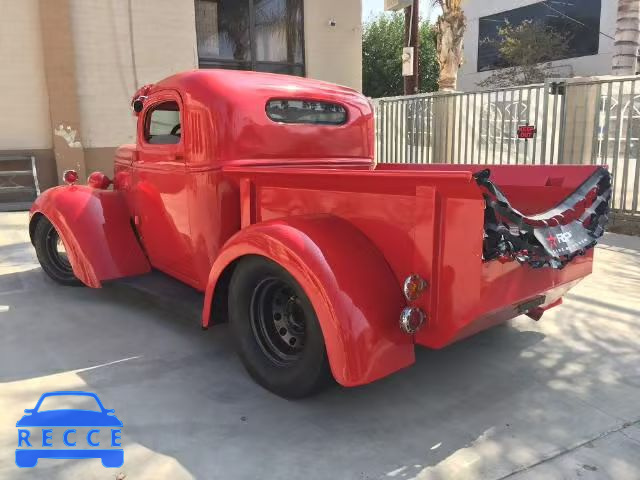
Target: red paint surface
94,227
308,197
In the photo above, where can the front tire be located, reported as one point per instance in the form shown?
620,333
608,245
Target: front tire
52,254
276,330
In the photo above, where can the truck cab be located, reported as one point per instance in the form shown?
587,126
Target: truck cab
261,193
192,125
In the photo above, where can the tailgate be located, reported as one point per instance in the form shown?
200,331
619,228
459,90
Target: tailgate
551,238
536,228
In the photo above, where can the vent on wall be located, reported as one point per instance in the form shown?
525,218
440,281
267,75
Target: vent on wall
393,5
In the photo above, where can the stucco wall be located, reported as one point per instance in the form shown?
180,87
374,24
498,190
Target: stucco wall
334,54
164,42
24,124
106,71
599,64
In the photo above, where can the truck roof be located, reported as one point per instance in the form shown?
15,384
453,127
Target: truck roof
246,82
232,105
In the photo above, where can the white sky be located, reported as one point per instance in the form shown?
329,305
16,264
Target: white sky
373,7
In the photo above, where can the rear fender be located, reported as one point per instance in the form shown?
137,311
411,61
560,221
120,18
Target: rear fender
95,228
354,293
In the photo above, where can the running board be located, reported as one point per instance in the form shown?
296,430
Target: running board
166,292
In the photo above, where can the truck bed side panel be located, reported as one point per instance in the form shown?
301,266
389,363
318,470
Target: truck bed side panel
429,221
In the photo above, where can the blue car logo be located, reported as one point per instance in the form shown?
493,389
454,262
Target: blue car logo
28,451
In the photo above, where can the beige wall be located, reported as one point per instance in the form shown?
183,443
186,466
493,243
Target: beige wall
334,54
24,124
91,72
164,41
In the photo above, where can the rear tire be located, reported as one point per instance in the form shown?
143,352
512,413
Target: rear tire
52,255
277,333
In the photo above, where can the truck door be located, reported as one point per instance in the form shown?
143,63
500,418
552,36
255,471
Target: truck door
160,186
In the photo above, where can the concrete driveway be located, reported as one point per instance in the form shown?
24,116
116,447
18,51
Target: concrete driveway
558,399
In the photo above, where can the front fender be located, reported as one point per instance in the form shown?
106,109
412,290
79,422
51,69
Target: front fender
95,228
354,292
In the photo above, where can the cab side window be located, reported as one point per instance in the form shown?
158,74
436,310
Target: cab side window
163,124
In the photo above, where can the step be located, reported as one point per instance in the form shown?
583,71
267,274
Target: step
15,206
12,158
15,173
20,196
16,188
165,292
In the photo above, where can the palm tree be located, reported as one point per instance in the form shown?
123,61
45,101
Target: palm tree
450,30
627,39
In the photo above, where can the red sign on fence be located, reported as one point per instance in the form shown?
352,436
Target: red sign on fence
526,131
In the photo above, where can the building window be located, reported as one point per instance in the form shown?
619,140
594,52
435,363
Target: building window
302,111
578,20
261,35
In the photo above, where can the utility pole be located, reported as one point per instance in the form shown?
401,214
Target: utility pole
412,39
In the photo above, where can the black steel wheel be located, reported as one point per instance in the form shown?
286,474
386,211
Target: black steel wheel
52,254
278,321
276,330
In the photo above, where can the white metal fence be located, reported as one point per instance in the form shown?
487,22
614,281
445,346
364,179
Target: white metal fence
577,122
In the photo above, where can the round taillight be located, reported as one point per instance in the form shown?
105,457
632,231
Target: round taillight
70,177
99,180
412,319
413,287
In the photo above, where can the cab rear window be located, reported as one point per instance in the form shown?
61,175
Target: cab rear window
303,111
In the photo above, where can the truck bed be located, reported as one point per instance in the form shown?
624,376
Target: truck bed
430,219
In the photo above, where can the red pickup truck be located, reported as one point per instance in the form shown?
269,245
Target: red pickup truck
261,193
